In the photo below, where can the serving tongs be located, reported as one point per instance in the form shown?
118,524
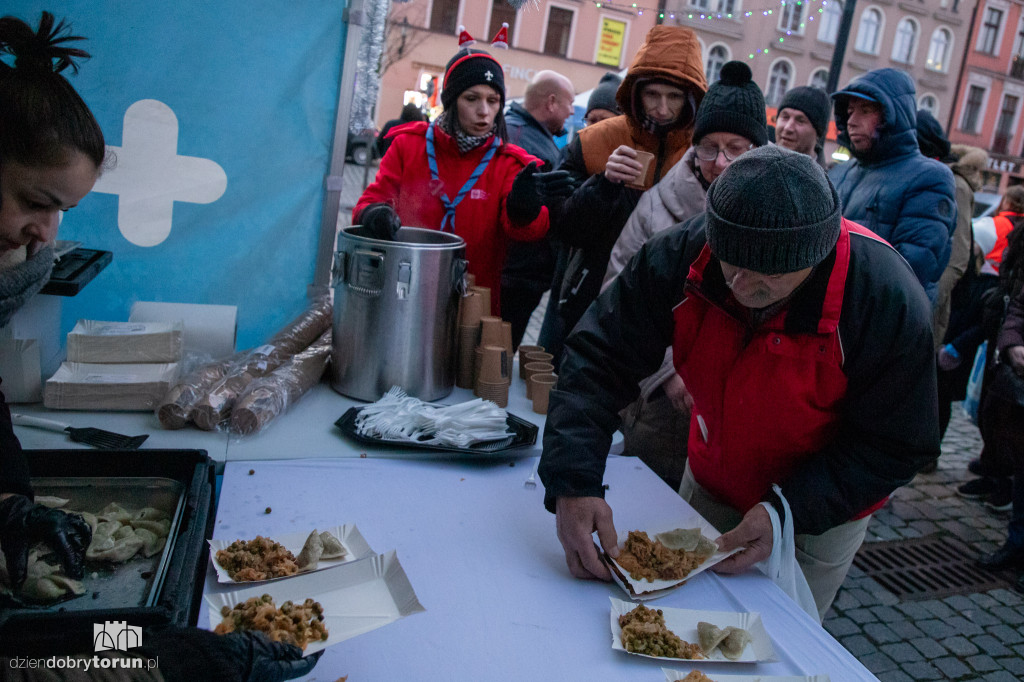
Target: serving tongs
98,438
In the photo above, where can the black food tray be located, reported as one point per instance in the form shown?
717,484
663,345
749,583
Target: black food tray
75,269
524,435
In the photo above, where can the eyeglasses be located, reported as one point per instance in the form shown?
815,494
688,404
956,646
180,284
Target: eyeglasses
709,152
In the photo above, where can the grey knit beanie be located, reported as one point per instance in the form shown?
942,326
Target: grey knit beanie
813,102
772,211
603,96
733,104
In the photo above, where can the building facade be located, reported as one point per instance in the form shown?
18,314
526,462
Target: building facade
987,113
790,43
581,39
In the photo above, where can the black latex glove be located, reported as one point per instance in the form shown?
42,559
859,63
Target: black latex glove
554,186
23,523
235,657
523,202
381,222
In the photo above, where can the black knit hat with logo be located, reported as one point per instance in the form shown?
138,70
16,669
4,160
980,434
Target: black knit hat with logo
796,229
733,104
468,68
813,102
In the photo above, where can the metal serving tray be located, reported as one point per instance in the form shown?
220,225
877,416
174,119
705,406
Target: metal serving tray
135,582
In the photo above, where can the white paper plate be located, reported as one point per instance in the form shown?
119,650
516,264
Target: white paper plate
676,675
348,534
357,597
644,589
683,622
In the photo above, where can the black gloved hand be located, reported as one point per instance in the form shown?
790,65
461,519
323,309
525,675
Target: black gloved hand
523,202
248,656
554,186
381,222
23,523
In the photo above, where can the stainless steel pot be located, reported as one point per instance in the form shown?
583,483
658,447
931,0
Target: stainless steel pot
395,312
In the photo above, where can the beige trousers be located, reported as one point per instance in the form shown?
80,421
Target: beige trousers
824,559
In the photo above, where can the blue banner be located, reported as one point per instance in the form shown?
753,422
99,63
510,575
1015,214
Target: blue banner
219,116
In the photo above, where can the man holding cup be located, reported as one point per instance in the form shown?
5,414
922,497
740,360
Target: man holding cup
806,344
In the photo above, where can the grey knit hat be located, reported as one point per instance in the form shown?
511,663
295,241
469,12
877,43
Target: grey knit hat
796,229
813,102
603,96
733,104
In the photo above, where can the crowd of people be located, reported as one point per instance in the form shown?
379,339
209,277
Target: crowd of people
763,326
780,341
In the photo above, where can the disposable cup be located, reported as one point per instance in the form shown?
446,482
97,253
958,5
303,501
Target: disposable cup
496,393
493,365
506,337
541,391
470,280
536,368
490,331
523,350
539,356
471,309
486,293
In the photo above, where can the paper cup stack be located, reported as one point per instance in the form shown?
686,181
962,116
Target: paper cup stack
538,372
471,309
494,377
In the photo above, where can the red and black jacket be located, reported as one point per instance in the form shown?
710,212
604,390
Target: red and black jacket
834,398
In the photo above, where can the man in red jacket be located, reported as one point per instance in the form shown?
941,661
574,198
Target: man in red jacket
806,343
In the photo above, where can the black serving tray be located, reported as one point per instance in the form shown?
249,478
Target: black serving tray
524,435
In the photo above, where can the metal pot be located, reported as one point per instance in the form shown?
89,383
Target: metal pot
395,312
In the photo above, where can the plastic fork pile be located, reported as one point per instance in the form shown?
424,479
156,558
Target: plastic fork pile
397,416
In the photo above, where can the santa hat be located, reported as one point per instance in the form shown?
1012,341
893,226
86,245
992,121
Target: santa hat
465,40
501,38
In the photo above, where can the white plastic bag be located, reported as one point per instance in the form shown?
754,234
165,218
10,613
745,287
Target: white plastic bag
973,397
781,567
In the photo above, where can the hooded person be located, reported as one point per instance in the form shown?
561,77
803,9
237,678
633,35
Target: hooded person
802,121
459,175
658,97
765,304
730,121
889,186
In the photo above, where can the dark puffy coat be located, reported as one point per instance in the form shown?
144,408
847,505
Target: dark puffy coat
892,189
859,309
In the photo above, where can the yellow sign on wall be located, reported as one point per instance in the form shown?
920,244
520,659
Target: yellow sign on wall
609,47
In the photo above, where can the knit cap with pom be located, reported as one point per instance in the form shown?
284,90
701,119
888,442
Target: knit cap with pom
733,104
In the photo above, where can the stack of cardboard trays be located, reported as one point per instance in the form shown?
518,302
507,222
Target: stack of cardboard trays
116,366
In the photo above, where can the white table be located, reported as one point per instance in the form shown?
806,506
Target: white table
482,556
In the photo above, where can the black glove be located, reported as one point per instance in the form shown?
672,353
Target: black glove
248,656
523,202
381,222
554,186
23,523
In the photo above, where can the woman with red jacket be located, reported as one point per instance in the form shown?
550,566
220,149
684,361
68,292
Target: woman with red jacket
458,174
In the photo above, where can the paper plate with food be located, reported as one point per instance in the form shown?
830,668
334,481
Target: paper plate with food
698,676
650,565
316,610
260,559
690,635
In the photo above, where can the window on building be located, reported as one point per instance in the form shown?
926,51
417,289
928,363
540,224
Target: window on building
939,50
869,31
906,41
929,104
828,29
989,33
559,29
699,4
717,56
1017,62
1004,126
778,83
972,109
819,79
726,6
791,16
501,12
444,16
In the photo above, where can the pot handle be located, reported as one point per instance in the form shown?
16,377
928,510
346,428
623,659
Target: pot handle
460,266
365,272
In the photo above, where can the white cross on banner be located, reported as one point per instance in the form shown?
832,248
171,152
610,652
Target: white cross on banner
220,117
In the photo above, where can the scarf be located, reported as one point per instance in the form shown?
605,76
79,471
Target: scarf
465,141
22,281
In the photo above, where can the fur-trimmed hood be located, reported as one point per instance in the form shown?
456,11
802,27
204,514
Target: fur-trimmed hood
970,163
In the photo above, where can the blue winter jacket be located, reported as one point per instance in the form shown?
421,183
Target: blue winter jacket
892,189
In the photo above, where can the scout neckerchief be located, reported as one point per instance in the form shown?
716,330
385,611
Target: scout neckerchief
448,222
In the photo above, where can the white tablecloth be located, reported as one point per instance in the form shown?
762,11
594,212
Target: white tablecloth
482,556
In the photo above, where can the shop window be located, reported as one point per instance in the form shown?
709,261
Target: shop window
972,108
502,12
717,57
939,50
1004,126
989,33
559,29
832,14
444,16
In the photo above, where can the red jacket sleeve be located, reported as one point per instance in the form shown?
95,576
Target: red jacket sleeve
386,186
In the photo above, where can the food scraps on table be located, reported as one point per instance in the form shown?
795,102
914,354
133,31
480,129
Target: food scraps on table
297,624
644,632
258,559
696,676
649,560
730,640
